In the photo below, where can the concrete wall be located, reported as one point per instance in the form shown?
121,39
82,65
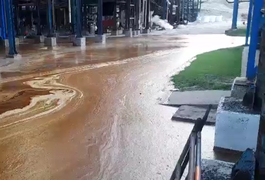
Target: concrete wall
245,60
235,130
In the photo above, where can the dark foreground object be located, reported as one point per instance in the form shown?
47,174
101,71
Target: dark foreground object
244,169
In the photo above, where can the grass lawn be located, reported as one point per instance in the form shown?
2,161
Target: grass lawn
237,32
211,71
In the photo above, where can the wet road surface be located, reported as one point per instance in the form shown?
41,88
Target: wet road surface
99,119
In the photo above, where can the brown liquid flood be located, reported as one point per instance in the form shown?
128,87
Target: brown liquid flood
90,114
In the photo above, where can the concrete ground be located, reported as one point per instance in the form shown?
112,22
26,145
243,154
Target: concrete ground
94,113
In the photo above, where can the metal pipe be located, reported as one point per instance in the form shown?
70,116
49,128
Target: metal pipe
235,14
198,157
191,174
70,11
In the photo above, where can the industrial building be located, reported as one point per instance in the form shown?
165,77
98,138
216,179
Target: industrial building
46,20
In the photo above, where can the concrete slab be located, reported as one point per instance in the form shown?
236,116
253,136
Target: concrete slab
236,126
216,170
146,31
101,39
197,98
72,37
50,41
80,42
5,42
15,56
40,39
136,32
128,33
191,114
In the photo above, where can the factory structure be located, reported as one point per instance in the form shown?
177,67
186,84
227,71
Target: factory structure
45,20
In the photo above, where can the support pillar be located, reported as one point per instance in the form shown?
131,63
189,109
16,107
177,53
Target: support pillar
16,17
39,38
137,17
147,25
101,37
164,15
235,14
128,29
50,40
127,15
79,40
38,18
73,14
3,20
251,69
115,30
12,53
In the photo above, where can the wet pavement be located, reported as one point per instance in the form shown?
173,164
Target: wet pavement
94,113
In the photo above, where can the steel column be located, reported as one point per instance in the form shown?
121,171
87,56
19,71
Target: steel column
127,14
235,14
115,27
73,15
3,20
78,19
147,27
164,15
251,69
10,27
100,14
49,8
16,16
38,17
137,16
250,12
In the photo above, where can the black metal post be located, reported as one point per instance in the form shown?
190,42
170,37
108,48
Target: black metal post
100,14
49,8
73,16
147,27
137,14
16,17
78,19
39,19
127,15
10,27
